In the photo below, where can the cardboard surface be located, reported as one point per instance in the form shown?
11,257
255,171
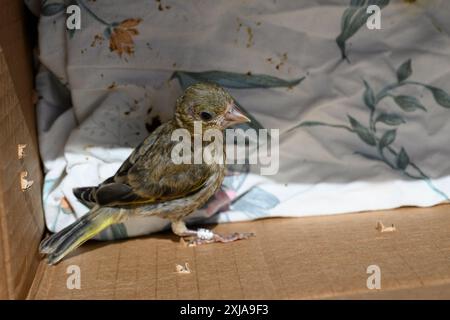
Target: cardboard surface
21,219
319,257
15,41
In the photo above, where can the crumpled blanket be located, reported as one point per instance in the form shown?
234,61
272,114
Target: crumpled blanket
363,114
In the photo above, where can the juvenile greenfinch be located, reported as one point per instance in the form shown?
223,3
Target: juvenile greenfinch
149,183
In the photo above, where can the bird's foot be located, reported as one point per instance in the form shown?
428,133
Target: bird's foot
204,236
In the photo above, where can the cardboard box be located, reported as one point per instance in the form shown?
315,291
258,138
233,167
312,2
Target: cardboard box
320,257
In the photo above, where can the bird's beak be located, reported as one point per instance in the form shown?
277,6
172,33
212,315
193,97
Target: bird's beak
234,116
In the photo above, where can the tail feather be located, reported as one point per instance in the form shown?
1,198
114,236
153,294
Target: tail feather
86,195
49,244
60,244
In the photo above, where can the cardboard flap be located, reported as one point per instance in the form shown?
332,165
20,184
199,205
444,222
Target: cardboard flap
21,218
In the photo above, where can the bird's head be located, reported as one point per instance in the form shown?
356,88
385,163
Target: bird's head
210,104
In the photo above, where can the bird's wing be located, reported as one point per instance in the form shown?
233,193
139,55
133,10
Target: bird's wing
147,191
138,152
150,176
88,195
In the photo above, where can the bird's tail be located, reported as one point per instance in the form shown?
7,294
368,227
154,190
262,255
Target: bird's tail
58,245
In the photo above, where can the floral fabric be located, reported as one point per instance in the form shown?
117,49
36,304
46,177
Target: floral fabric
363,114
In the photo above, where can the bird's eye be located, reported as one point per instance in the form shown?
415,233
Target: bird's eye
205,115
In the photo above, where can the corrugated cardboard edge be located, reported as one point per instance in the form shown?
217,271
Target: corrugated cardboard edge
21,218
37,283
16,30
4,271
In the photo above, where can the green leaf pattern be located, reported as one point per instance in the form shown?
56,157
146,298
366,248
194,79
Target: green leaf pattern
440,96
408,103
363,133
235,80
353,18
402,159
390,119
369,97
384,141
404,71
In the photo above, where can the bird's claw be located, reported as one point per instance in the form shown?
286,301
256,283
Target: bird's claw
221,238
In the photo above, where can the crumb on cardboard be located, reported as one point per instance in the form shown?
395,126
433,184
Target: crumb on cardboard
381,228
24,183
184,242
21,151
187,242
183,269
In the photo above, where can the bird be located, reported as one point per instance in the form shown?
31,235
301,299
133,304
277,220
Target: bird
149,183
